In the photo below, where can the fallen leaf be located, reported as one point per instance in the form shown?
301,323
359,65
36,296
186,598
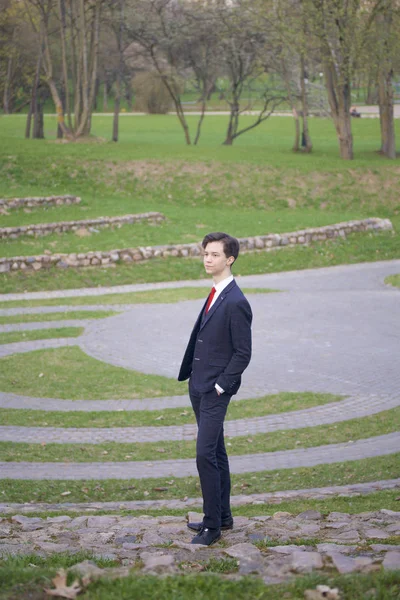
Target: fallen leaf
322,592
160,418
41,374
184,413
65,493
61,589
398,498
43,444
171,482
146,493
250,440
105,452
85,490
160,450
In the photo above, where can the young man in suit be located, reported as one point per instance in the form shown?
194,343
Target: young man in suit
218,352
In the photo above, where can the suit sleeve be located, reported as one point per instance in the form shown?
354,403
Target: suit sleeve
240,331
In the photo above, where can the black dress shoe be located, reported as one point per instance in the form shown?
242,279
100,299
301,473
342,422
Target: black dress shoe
198,526
207,536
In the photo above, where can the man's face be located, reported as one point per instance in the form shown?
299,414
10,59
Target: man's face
215,261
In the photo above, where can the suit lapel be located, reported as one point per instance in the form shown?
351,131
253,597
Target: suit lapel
217,303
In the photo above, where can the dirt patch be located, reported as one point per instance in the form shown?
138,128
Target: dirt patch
259,186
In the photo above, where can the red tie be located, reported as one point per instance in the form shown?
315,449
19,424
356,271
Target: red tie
210,299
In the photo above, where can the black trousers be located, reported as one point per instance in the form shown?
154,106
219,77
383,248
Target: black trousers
211,458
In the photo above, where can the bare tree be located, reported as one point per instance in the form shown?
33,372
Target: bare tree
157,28
246,56
336,26
74,26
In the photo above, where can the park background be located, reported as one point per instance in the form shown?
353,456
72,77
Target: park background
308,163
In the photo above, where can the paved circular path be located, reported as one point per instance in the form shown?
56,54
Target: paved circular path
334,412
185,467
331,330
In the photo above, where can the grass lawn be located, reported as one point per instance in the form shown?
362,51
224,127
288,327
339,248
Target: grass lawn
71,374
57,316
393,280
354,429
150,297
238,409
26,576
371,469
254,187
39,334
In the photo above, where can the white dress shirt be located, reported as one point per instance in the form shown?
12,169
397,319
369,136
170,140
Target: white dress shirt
219,288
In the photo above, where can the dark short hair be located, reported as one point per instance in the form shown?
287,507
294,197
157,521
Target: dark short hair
230,244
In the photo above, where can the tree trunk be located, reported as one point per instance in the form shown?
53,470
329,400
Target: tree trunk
117,99
386,114
28,125
385,87
201,119
339,96
307,147
60,134
175,97
48,67
66,102
117,102
105,96
233,123
7,87
292,103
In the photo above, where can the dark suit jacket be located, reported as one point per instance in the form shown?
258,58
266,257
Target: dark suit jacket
219,349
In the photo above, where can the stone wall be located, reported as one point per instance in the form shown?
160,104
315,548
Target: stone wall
88,224
268,242
37,202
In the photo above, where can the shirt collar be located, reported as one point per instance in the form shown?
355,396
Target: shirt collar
223,284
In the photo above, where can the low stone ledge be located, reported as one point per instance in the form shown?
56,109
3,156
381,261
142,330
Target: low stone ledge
35,202
133,255
12,233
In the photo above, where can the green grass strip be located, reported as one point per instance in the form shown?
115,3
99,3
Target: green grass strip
344,473
58,316
26,576
40,334
309,437
393,280
150,297
70,373
357,248
238,409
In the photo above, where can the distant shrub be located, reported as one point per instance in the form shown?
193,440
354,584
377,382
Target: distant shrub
151,95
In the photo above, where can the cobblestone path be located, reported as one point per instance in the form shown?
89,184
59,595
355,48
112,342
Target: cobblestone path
336,543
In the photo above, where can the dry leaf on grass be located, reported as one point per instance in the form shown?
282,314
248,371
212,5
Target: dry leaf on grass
322,592
61,589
